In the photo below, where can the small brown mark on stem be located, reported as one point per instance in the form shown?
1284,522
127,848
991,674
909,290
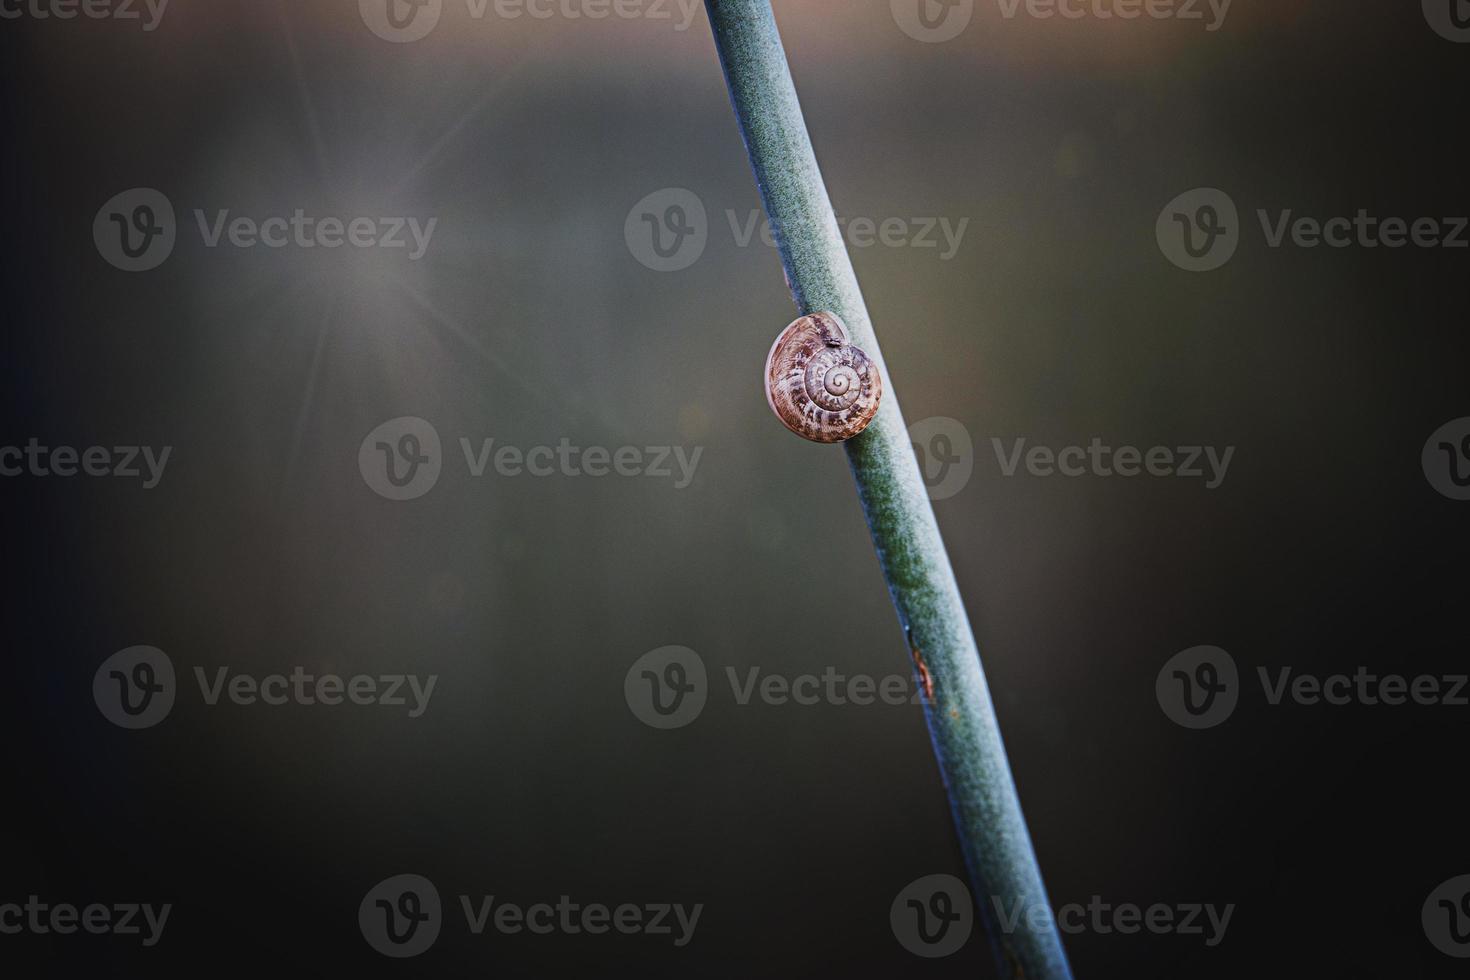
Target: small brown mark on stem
926,680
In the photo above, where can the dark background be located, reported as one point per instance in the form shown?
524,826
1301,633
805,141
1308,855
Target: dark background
530,321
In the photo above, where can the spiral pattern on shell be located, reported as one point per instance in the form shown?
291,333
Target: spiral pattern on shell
818,384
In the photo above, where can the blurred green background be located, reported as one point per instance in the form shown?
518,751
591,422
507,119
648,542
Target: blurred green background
529,320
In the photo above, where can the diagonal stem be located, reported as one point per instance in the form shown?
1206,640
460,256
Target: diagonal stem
962,723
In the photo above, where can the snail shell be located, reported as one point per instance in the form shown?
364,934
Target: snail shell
819,385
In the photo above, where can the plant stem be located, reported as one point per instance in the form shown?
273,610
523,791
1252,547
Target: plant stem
962,723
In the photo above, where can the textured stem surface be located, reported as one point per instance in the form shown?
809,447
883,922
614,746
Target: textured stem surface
962,723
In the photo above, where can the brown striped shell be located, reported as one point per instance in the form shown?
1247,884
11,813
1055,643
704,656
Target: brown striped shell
819,385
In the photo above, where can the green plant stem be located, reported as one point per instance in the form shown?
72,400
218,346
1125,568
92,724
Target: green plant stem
987,813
